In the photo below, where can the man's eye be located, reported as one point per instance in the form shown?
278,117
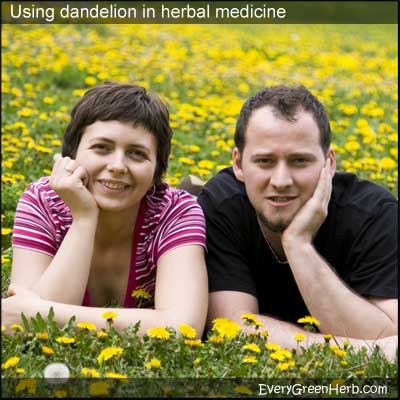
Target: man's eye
300,161
264,161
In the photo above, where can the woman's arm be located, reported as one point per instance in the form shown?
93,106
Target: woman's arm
62,278
181,297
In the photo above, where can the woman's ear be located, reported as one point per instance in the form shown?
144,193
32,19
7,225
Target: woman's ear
237,164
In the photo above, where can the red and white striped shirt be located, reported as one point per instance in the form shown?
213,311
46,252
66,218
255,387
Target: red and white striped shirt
167,218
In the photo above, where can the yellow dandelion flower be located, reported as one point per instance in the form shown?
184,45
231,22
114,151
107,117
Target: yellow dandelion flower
186,160
360,373
264,334
298,337
90,80
114,375
10,363
65,340
215,339
252,347
108,353
47,350
6,231
206,164
249,360
283,366
226,328
387,163
141,294
242,390
42,336
343,363
319,364
187,331
109,315
48,100
26,384
272,346
17,327
197,361
78,92
159,333
99,388
328,337
19,370
308,320
101,334
193,342
352,146
278,356
340,353
251,319
90,373
60,394
86,325
338,382
154,363
3,328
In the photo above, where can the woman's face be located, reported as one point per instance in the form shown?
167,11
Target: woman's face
120,160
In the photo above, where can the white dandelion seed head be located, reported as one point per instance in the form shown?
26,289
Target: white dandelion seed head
56,373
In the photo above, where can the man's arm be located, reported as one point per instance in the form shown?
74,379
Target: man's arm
340,311
232,305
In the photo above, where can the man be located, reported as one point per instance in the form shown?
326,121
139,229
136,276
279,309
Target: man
287,236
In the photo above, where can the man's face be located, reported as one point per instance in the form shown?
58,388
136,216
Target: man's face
280,165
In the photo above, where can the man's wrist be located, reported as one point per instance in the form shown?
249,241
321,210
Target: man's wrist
292,242
293,246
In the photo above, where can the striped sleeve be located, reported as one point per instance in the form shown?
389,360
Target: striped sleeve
183,224
34,228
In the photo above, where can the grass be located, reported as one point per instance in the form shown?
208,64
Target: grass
205,73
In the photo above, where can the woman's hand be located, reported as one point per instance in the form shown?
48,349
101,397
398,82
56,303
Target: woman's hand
69,180
19,300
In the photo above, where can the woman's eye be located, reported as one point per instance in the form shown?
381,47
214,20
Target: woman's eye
101,147
137,154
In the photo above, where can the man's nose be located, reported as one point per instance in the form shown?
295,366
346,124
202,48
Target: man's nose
281,177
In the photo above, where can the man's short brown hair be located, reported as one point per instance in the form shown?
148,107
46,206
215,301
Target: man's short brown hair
286,102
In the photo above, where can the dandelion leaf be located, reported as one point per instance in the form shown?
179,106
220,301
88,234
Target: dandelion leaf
25,322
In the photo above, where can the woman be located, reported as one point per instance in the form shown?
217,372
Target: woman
104,226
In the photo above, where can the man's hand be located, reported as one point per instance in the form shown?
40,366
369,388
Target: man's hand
310,217
69,180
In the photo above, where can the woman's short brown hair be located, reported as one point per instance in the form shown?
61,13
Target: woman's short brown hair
125,103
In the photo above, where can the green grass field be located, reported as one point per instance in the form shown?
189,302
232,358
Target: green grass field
205,73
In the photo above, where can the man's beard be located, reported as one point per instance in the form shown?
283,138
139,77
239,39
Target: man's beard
276,227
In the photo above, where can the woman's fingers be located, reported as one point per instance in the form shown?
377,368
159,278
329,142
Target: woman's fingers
81,174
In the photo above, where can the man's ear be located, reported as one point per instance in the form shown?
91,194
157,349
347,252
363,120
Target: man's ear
332,156
237,164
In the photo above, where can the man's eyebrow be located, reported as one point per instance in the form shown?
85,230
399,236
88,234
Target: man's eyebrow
302,154
263,154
